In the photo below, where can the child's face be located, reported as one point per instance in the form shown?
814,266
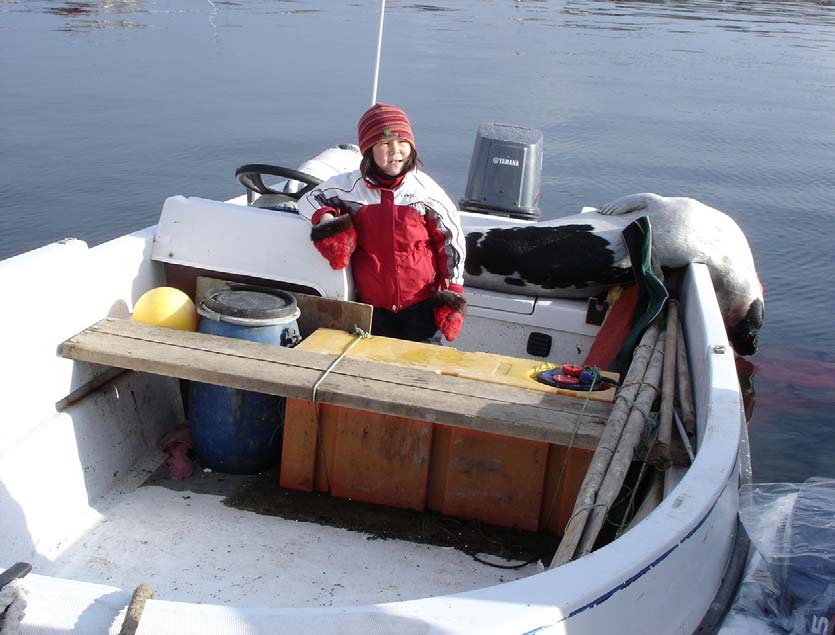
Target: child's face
391,154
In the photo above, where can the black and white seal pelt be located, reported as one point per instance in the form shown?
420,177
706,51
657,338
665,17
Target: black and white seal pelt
583,254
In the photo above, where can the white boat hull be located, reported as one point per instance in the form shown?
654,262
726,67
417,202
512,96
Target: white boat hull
69,438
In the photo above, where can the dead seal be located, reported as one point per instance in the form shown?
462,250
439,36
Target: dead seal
583,254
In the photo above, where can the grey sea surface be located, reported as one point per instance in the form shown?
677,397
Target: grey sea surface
107,107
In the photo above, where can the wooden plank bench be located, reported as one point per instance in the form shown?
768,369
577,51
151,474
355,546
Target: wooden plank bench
358,384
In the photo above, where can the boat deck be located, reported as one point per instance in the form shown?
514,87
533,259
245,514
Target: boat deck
245,541
195,540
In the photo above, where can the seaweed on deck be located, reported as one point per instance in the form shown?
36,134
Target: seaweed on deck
262,494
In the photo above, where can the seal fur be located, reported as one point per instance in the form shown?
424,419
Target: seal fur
583,254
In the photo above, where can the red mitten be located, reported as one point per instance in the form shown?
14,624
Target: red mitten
177,444
335,240
178,463
449,314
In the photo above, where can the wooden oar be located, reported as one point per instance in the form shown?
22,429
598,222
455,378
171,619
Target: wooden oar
606,447
622,458
661,453
685,388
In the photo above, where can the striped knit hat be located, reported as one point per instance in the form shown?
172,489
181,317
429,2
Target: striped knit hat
383,121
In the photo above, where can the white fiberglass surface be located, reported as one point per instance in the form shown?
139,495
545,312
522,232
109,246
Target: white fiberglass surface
191,547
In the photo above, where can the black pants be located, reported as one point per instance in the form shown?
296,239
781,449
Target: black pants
417,323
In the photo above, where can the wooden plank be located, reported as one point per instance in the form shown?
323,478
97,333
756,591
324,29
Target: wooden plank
188,342
315,311
360,384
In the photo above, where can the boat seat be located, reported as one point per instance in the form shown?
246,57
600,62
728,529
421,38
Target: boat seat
355,383
276,202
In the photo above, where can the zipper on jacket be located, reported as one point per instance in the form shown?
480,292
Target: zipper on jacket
387,198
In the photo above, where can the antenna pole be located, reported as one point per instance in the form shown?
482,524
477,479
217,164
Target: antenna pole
379,46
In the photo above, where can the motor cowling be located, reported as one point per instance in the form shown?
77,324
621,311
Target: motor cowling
505,172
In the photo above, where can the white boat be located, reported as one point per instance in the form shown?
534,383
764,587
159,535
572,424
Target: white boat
78,441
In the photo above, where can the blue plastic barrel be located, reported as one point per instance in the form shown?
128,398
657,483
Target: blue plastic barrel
240,431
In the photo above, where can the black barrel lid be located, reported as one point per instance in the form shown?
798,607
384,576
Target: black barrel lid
250,301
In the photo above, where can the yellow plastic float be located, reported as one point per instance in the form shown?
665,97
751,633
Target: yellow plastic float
168,307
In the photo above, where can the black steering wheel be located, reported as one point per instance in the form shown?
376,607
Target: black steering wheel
249,176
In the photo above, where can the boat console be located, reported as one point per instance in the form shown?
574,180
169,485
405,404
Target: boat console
241,243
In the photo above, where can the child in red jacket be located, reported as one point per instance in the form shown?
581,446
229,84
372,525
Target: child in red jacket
398,229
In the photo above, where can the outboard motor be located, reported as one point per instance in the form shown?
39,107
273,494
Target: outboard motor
807,571
791,581
505,172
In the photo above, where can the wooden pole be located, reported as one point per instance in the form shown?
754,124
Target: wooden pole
652,499
606,446
665,418
685,440
621,460
141,594
685,388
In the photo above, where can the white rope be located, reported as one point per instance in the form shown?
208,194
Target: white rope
360,335
12,607
379,47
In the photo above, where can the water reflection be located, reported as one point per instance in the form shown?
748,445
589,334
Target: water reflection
785,387
86,16
427,7
102,14
748,17
801,12
791,430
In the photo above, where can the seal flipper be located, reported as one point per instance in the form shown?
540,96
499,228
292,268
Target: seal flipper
626,204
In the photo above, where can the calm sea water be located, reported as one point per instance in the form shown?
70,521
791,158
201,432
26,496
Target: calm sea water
107,107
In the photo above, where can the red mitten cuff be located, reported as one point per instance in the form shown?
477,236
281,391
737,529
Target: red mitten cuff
317,215
449,313
335,240
451,299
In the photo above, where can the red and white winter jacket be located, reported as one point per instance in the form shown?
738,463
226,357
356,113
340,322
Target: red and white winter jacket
410,244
